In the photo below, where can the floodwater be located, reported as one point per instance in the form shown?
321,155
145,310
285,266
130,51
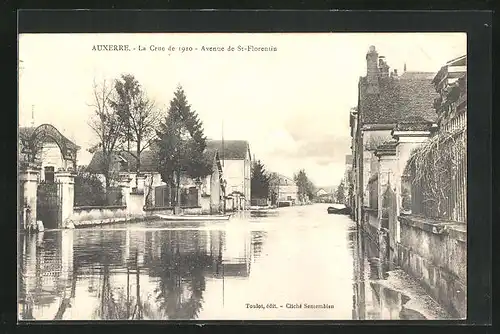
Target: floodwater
293,263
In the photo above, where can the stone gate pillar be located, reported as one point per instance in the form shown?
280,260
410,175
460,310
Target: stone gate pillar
388,164
149,190
66,194
28,179
125,180
408,140
141,182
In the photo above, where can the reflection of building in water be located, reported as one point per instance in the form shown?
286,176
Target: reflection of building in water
47,274
359,307
236,252
256,243
372,301
388,302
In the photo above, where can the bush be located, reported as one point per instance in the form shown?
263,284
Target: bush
89,190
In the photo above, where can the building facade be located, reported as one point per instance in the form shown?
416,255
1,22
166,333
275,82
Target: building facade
46,161
387,102
288,191
49,144
409,173
236,165
208,194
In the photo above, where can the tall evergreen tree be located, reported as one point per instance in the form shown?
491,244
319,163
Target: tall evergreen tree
260,181
181,144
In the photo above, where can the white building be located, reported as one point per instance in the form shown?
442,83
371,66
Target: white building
321,192
288,191
236,165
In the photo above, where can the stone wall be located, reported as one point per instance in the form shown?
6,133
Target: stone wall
96,215
192,211
205,204
436,254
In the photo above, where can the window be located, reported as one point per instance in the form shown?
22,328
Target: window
49,174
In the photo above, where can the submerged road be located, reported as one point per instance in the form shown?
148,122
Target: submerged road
291,263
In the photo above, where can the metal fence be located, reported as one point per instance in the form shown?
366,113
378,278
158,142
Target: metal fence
438,175
258,201
165,197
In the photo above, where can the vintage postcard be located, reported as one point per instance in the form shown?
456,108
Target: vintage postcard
256,176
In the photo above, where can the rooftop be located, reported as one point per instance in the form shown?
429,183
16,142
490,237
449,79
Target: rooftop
400,98
149,162
26,132
230,149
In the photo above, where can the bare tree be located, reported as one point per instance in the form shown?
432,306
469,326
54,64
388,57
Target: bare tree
139,115
107,125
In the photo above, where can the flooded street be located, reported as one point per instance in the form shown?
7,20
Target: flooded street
294,263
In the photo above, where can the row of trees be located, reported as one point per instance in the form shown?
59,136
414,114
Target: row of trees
266,185
126,119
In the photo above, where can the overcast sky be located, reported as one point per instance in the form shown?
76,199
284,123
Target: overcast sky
292,105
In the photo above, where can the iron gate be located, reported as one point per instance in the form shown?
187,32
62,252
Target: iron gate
47,204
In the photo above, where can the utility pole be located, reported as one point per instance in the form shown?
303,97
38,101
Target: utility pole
223,155
32,115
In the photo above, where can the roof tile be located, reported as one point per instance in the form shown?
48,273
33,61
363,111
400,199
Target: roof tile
409,96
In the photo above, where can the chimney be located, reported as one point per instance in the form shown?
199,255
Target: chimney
372,70
383,67
394,74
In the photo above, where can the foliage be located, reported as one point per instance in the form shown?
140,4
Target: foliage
305,186
260,181
89,190
107,125
181,143
433,166
138,114
340,192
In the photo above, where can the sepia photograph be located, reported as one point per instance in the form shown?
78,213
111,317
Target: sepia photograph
242,176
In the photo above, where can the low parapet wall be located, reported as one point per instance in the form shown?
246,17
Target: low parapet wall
435,253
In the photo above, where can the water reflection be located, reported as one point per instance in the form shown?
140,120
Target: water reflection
371,299
208,271
127,274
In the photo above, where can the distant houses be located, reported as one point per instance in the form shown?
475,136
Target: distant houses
321,192
208,195
286,189
226,189
324,195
